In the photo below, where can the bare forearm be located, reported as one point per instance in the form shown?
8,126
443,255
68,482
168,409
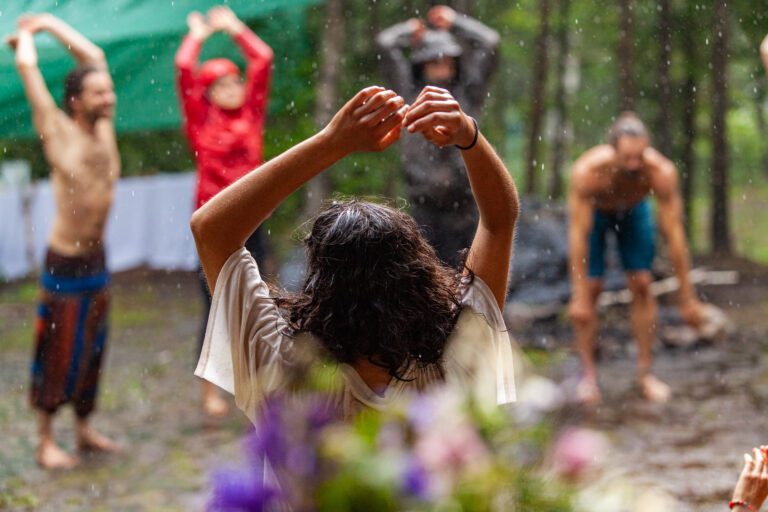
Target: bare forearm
26,53
580,213
578,263
223,224
680,259
492,186
468,28
34,84
83,50
257,52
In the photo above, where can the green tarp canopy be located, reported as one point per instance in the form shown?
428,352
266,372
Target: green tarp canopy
140,38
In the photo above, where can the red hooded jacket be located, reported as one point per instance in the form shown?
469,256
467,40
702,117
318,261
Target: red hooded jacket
227,143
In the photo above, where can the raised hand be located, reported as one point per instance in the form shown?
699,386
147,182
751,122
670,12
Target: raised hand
441,17
418,29
198,27
34,22
222,18
438,116
371,121
752,487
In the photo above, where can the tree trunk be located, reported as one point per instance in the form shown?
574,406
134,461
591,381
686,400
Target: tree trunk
626,56
690,107
721,239
327,99
663,124
538,94
561,101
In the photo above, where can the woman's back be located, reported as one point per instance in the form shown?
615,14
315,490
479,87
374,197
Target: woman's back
251,352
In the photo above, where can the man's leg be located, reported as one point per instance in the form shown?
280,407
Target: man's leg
643,315
48,454
90,440
586,325
47,381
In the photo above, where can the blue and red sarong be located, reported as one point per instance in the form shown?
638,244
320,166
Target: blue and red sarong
71,332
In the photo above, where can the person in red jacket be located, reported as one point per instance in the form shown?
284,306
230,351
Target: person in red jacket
223,119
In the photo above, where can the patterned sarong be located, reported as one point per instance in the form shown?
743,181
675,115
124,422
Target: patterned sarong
71,332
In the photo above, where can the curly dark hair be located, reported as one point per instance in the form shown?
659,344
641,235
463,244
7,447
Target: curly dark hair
374,288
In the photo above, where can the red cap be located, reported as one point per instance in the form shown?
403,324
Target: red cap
213,69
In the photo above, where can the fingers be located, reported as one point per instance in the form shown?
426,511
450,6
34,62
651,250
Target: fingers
445,119
393,122
438,135
759,464
387,110
390,138
749,464
424,108
195,20
373,103
362,96
432,93
433,106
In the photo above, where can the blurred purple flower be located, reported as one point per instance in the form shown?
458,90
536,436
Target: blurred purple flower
416,480
268,438
241,491
321,414
421,412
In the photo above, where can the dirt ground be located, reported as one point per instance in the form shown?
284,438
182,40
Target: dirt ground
692,447
149,401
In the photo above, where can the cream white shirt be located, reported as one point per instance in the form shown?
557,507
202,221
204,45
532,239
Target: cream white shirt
249,352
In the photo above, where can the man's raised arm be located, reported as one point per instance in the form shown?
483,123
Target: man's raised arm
82,49
392,43
44,109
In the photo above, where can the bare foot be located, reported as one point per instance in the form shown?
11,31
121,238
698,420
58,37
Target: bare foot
49,456
588,392
214,405
654,389
88,440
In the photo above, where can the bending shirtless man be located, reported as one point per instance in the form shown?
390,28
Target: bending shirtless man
609,191
79,144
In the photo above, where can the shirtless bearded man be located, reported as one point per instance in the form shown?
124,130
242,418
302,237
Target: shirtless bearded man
610,189
80,147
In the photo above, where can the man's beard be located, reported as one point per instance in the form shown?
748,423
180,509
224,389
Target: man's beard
99,113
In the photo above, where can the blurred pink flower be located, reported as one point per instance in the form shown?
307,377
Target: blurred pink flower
577,452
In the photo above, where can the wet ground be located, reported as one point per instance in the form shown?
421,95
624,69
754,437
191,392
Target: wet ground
149,401
692,447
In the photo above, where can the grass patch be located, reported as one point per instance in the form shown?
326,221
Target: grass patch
749,216
13,496
126,315
18,337
544,358
21,293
